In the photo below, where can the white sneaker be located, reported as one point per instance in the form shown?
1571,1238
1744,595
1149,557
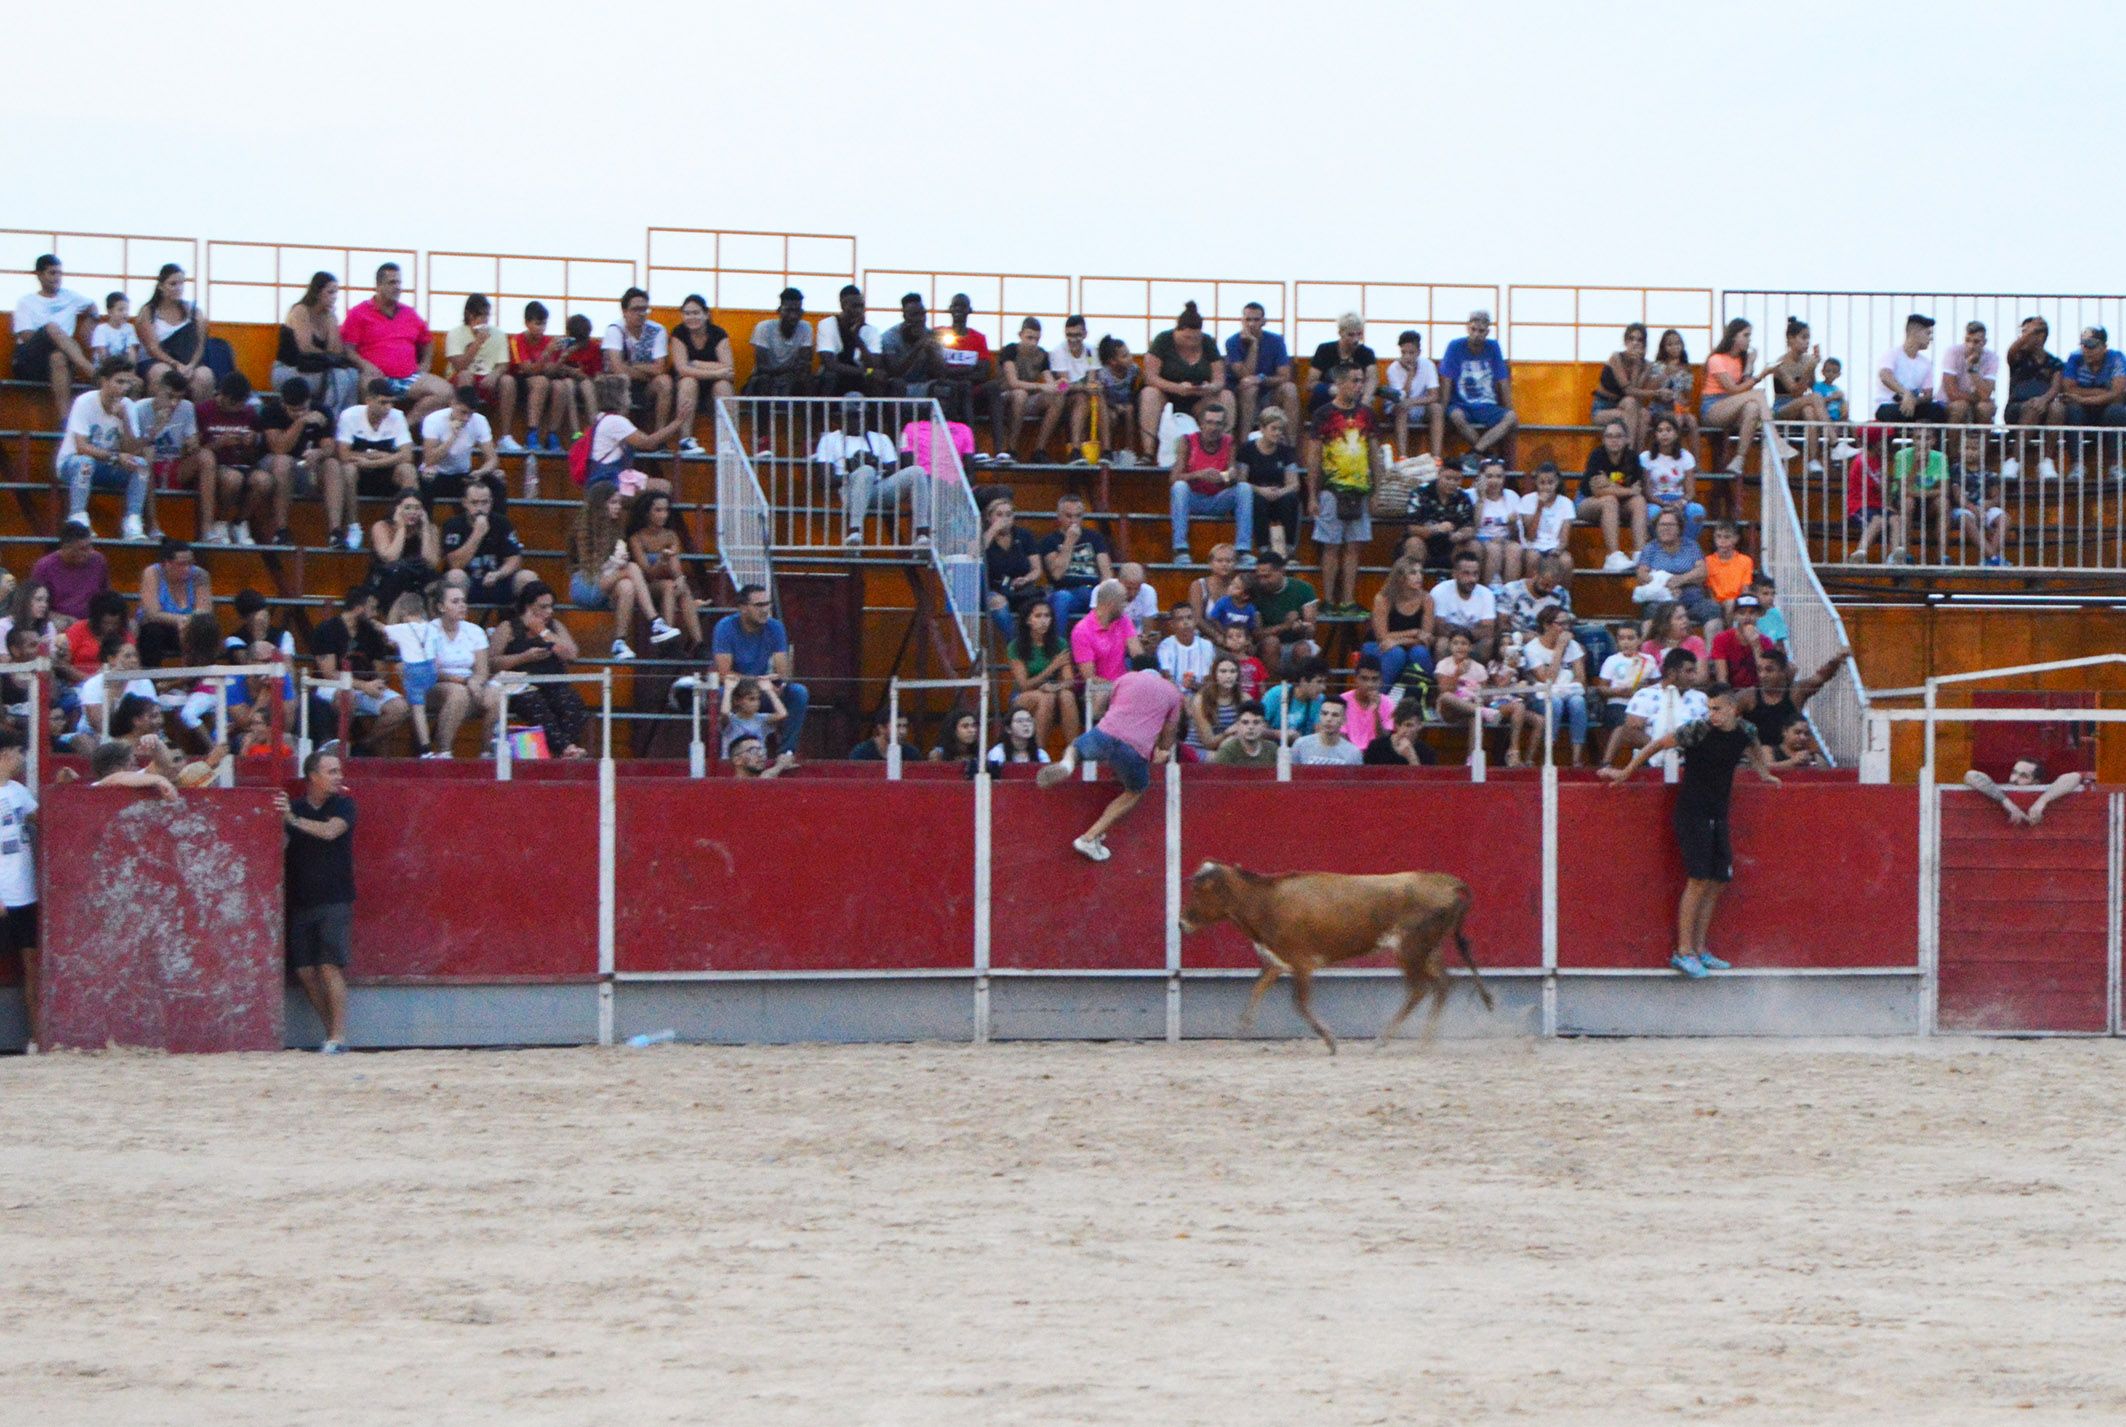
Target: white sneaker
217,533
1055,773
2077,474
2046,471
1617,562
692,449
662,633
1815,468
1845,450
2011,469
621,650
1093,847
354,536
509,446
331,1048
132,529
241,532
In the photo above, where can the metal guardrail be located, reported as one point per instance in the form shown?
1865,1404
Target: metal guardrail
744,520
1815,631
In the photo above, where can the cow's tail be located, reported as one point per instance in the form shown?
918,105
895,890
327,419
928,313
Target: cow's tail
1461,944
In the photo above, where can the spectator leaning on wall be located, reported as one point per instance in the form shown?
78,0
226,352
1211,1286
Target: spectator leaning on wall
321,890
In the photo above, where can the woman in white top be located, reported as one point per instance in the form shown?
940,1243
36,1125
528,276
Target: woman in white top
615,440
1555,665
1546,514
1498,528
461,672
174,334
1672,477
1019,744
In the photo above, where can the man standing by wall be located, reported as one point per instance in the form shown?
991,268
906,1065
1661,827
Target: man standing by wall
321,890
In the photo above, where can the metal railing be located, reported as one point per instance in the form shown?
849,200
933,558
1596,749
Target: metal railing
1001,300
1138,308
1440,311
509,280
1815,632
744,521
2049,498
1546,323
735,267
97,262
956,535
257,282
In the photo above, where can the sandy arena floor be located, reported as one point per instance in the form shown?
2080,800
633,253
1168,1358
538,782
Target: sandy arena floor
1566,1232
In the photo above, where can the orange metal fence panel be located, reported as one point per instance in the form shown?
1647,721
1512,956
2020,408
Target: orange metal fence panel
97,263
1001,300
1136,308
589,285
1437,311
1585,324
256,282
734,267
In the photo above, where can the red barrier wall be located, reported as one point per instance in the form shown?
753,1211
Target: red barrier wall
1489,835
2024,914
1826,875
1050,909
468,880
162,922
789,876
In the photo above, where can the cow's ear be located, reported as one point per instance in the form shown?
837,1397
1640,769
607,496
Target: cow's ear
1204,871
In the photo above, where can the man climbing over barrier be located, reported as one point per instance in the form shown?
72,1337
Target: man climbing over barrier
1712,749
1143,716
2026,774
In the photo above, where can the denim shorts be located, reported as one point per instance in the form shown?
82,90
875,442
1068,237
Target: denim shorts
1482,414
419,676
1131,766
583,591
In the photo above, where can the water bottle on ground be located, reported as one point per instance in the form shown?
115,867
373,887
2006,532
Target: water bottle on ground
650,1038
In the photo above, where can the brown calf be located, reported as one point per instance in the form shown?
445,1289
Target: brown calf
1303,921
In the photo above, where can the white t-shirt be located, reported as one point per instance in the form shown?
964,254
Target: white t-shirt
354,429
608,436
1143,606
91,695
1072,369
836,447
1652,703
1409,386
456,654
998,760
1917,373
119,341
1495,516
1629,672
1179,661
1535,658
1665,474
650,346
1551,521
87,423
415,641
1451,606
1311,751
18,870
1952,364
62,309
830,335
457,455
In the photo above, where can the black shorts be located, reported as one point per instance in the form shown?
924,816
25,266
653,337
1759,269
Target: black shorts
378,482
20,928
33,358
320,936
1701,833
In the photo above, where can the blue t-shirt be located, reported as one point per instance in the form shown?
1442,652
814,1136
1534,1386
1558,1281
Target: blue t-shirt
1772,625
1474,379
1833,403
1224,614
1686,555
2103,374
749,653
1270,354
1306,713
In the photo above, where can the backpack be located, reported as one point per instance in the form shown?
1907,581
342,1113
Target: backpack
579,456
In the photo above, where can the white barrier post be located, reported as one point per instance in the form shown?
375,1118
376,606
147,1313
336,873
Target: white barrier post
1476,743
608,847
40,721
893,731
225,775
697,751
502,751
1173,899
302,717
982,873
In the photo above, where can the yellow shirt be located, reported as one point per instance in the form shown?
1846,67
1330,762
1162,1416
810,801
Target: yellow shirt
492,356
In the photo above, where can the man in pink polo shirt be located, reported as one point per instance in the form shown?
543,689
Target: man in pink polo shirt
392,343
1103,643
1142,719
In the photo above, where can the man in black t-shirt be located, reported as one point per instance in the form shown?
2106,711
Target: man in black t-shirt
480,541
1712,750
1076,558
292,430
351,643
320,886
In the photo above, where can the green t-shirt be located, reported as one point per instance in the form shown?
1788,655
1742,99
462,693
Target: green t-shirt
1931,475
1275,609
1232,755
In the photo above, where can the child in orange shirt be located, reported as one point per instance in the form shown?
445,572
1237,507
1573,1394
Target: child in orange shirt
1727,570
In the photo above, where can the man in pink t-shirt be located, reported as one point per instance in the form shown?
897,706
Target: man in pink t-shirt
1142,719
1103,643
391,342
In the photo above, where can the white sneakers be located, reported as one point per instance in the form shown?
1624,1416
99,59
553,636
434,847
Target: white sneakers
354,536
240,532
621,650
509,446
132,529
692,450
1617,562
662,633
1093,847
217,534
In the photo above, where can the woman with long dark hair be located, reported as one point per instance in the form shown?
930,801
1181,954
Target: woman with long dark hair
532,641
310,348
1042,673
1794,394
1182,368
1732,401
173,332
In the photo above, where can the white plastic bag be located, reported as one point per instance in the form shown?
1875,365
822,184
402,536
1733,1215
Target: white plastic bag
1174,427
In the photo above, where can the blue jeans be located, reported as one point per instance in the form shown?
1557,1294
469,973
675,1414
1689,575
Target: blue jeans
1071,605
1236,501
1131,767
83,473
1394,660
1693,516
796,698
1571,710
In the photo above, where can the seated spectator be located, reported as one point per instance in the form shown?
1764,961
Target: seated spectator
1672,374
913,360
753,642
1794,394
1270,466
1676,568
2036,380
114,336
1728,572
391,343
1978,506
106,618
659,552
1544,517
1670,626
1340,465
1498,524
464,686
405,551
293,434
452,441
885,733
1522,604
172,590
1185,655
1074,364
1118,383
371,455
1011,574
749,759
1623,674
29,609
1287,609
1207,482
584,357
782,350
112,765
1214,584
1076,559
169,432
412,634
1248,745
702,366
1348,350
1140,600
614,440
1464,603
1025,387
1658,710
1182,370
111,681
1043,674
960,742
1402,745
967,369
1826,386
539,368
1238,641
639,351
1414,394
533,641
1732,402
311,348
1214,707
1612,491
867,466
1235,609
1402,623
173,336
1672,476
1020,743
1555,665
198,722
353,643
1479,385
603,573
2094,391
1904,379
1102,645
229,427
1368,710
849,352
476,355
101,450
1628,386
47,330
1258,368
1326,746
1295,708
480,542
1735,650
1445,515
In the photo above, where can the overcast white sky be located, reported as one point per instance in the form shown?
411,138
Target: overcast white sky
1947,146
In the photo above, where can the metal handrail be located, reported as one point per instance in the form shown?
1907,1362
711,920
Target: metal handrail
1814,627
